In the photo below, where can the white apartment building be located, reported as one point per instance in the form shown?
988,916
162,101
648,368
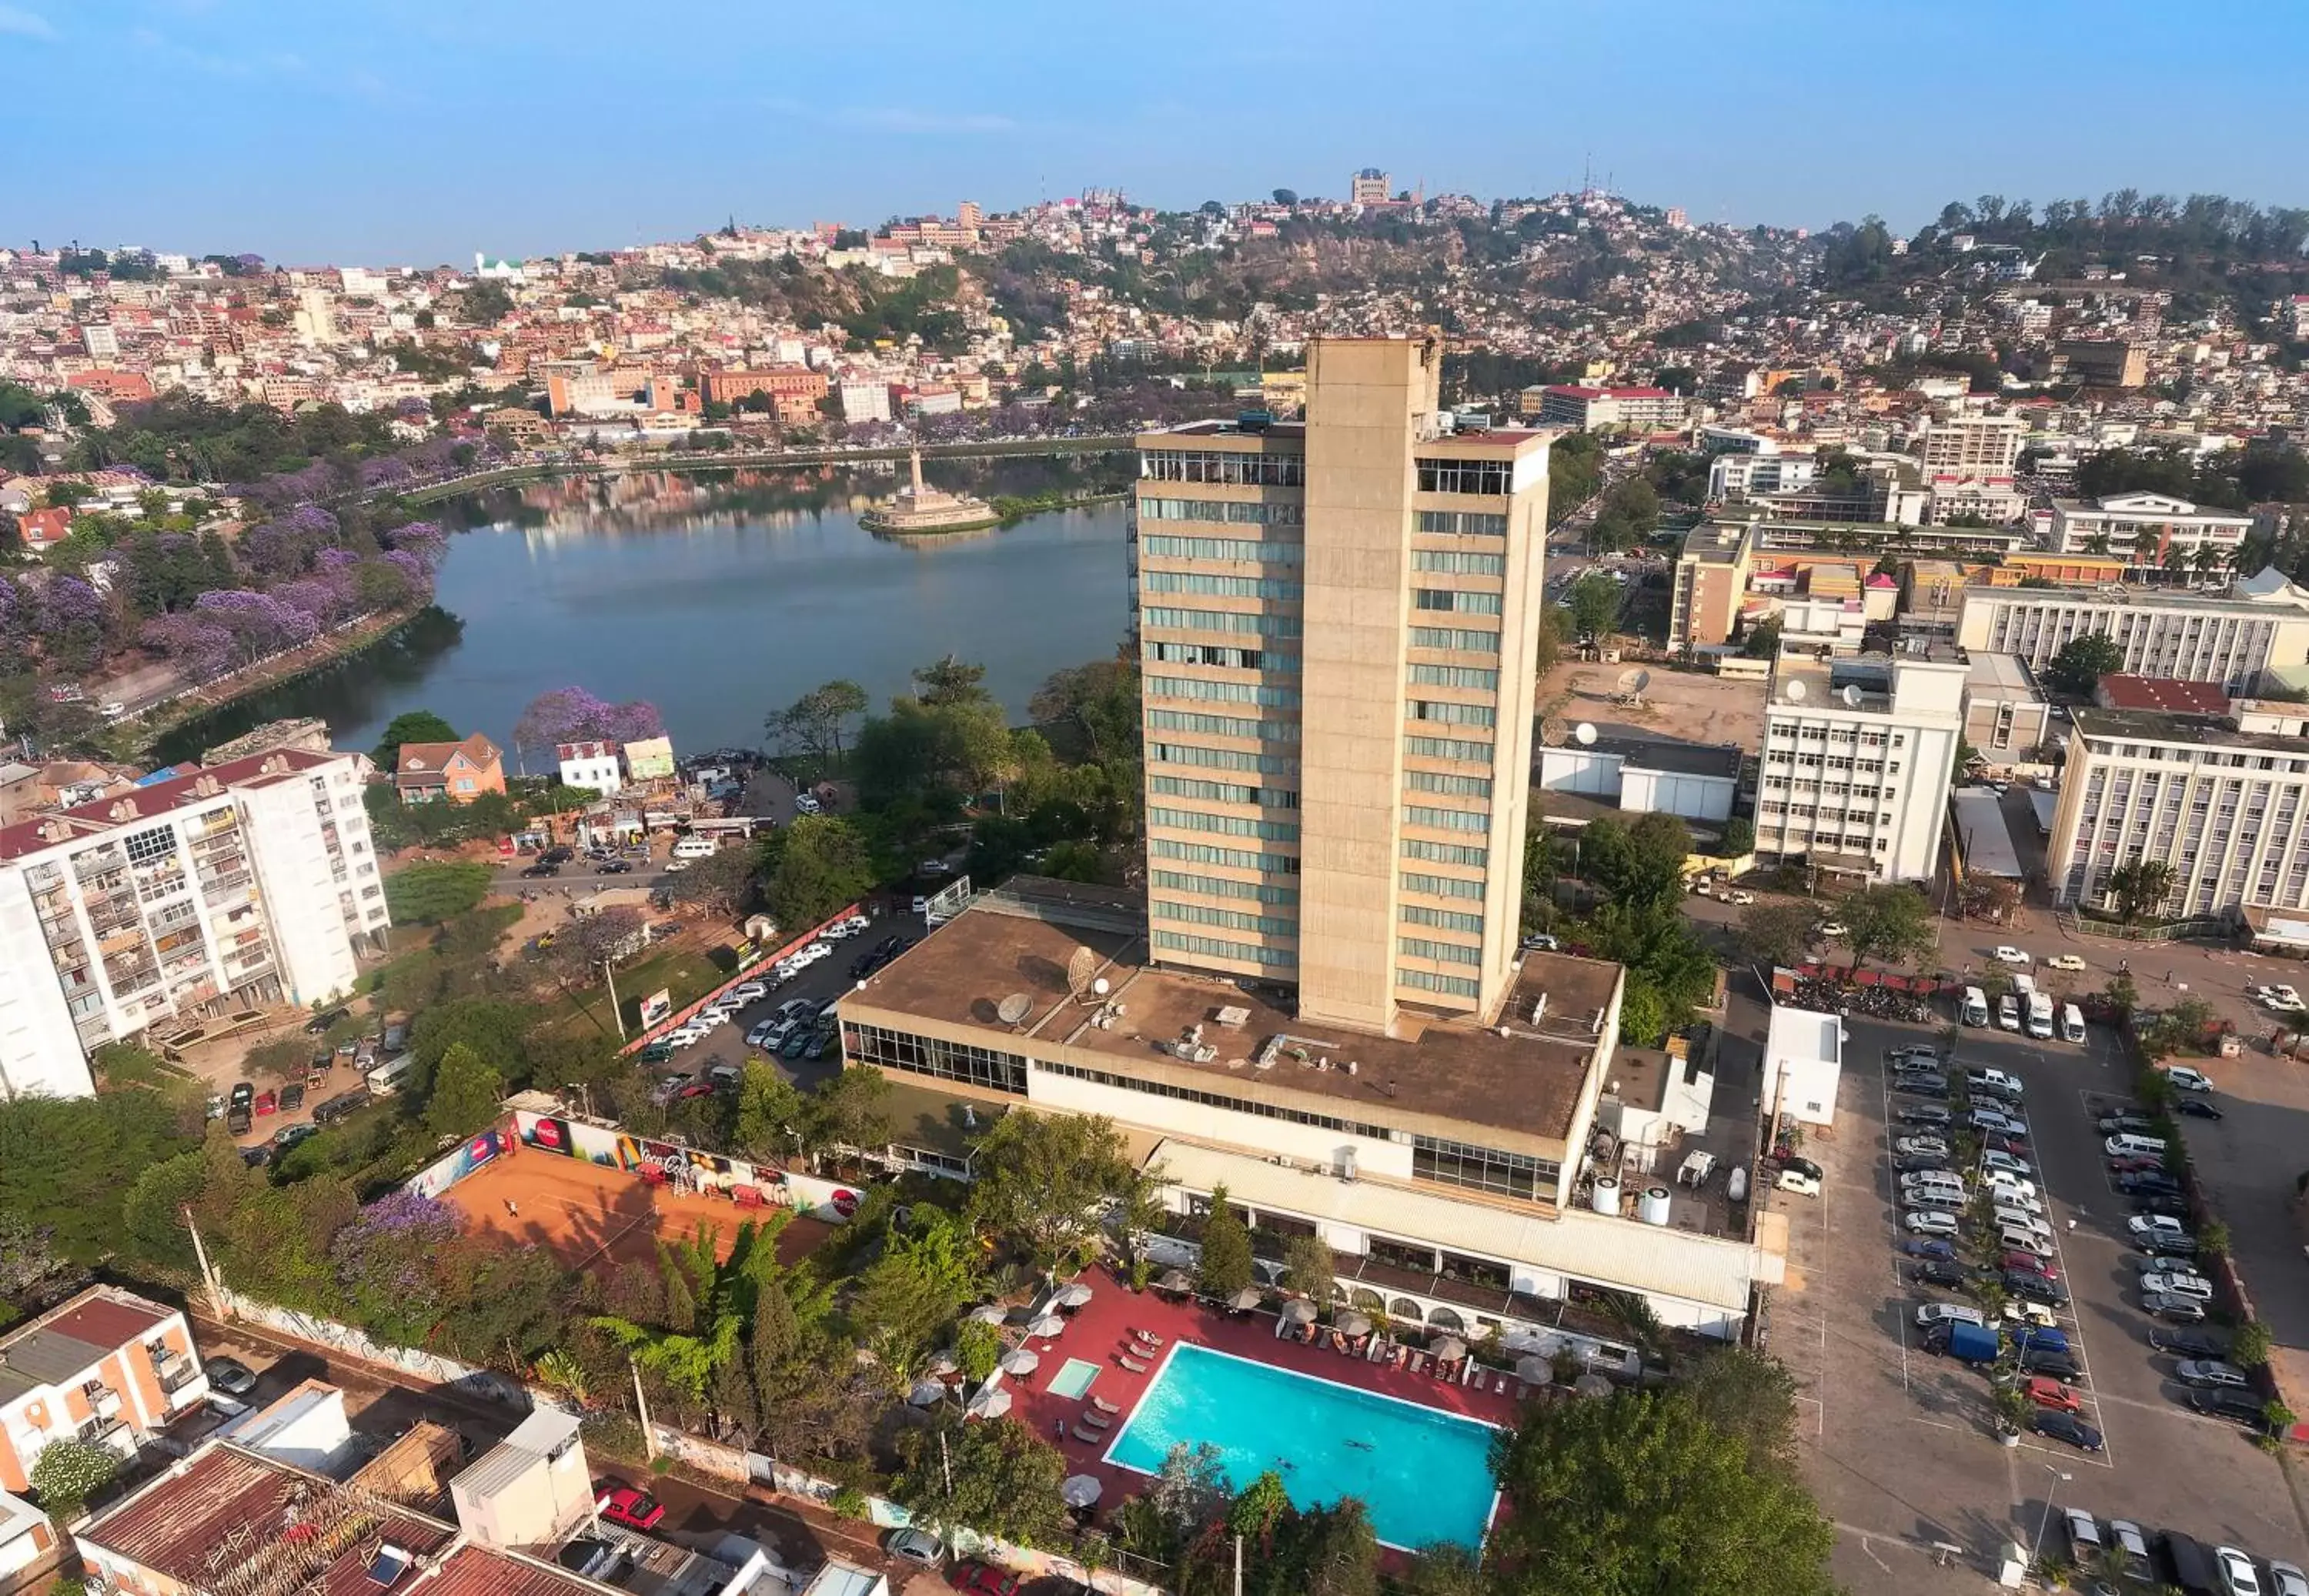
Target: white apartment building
108,1366
597,766
1972,449
2151,529
1638,409
864,398
2224,807
2261,624
1857,758
1737,476
247,884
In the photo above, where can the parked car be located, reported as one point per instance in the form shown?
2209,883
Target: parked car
628,1506
321,1023
2061,1399
917,1547
2189,1344
1922,1085
1916,1163
2028,1264
1995,1162
1930,1222
1830,930
2159,1263
2065,1427
2045,1360
984,1579
2209,1374
229,1376
2288,1578
2238,1407
1940,1250
2179,1310
267,1102
2198,1108
2037,1288
2066,962
2166,1203
1923,1114
1935,1145
1948,1276
292,1097
2238,1575
2185,1079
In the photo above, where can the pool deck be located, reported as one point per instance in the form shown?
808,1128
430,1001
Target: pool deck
1103,1328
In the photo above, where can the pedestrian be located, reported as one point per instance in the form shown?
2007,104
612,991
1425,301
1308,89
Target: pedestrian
2072,1224
512,1208
1059,1428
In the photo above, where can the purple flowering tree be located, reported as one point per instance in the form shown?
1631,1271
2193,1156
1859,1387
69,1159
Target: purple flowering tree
70,620
260,624
572,714
201,649
314,596
390,1264
11,614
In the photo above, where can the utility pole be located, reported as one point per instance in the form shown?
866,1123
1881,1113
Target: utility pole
641,1405
208,1272
617,1010
1238,1566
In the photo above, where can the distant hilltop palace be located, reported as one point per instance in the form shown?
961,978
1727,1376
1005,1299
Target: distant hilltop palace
919,508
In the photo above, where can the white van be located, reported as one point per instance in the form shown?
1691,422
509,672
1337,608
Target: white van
2072,1022
2132,1146
2013,1238
695,848
1975,1006
386,1078
1933,1314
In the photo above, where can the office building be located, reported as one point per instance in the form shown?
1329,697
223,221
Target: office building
2150,530
2222,806
108,1366
864,398
1338,629
2261,625
1739,476
245,886
2105,362
2005,717
1857,758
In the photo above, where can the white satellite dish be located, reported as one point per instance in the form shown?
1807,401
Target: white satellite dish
1794,691
1014,1008
1099,987
1550,731
1631,681
1586,732
1643,680
1851,695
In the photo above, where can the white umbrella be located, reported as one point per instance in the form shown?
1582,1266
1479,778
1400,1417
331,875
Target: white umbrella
926,1393
1537,1371
1249,1298
1449,1350
1073,1296
992,1313
942,1364
1020,1362
1354,1325
991,1404
1176,1280
1297,1311
1080,1491
1592,1384
1048,1326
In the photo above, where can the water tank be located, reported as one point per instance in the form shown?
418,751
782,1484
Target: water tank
1652,1207
1604,1198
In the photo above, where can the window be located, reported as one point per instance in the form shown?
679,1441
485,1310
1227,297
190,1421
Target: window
1448,820
1219,654
1427,980
1456,601
1463,523
1443,919
1260,693
1265,623
1234,1105
1451,563
1220,887
1444,747
1223,792
1212,947
1440,886
1457,786
1163,546
1195,820
1483,1169
1445,853
1459,641
929,1055
1231,919
1452,714
1465,476
1212,465
1222,510
1442,953
1223,759
1226,587
147,847
1278,732
1455,676
1233,858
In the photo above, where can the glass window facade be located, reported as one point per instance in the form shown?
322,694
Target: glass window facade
1492,477
1162,545
1214,465
1463,523
1276,731
929,1055
1231,587
1229,511
1483,1169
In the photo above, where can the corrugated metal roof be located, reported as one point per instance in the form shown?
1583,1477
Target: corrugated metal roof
49,1356
477,1570
1594,1247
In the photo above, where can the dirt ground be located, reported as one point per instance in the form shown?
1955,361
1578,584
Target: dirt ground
1686,705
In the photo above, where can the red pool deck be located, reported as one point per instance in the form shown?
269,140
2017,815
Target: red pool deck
1103,1328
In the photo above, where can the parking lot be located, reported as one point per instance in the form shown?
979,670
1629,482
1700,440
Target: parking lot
1901,1443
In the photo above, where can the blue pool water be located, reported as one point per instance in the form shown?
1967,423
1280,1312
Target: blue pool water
1423,1475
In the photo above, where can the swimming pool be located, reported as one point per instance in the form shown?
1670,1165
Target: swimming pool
1425,1476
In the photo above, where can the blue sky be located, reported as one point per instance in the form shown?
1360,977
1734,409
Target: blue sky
314,131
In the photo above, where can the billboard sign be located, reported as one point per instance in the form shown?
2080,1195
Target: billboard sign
655,1007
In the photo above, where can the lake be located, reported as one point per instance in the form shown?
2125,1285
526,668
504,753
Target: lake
720,598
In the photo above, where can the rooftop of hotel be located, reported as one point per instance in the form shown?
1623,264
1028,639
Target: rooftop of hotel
2153,726
1523,1072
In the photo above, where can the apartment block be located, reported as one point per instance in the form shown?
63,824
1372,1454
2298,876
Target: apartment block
2005,717
2150,530
2261,625
1857,758
2222,806
1972,449
247,884
1737,477
1588,410
108,1366
1337,627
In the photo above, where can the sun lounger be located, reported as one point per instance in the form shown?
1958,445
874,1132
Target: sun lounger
1152,1341
1097,1420
1130,1363
1110,1409
1088,1438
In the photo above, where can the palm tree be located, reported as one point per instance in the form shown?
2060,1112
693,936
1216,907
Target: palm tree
2138,888
687,1363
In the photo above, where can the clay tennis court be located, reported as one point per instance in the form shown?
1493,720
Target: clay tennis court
591,1217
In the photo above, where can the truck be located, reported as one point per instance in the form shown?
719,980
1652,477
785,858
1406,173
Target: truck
1970,1344
2040,1015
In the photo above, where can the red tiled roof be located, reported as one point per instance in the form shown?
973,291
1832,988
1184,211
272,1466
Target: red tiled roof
146,803
107,1322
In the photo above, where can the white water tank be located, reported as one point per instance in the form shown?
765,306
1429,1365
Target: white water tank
1652,1207
1605,1197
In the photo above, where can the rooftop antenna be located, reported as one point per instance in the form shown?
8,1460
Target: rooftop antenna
1852,695
1552,731
1014,1008
1080,964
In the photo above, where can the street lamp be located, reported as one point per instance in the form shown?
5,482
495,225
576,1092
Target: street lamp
2060,1479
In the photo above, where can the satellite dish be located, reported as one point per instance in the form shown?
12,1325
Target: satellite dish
1014,1008
1632,681
1643,680
1552,731
1099,987
1079,965
1794,691
1852,695
1586,732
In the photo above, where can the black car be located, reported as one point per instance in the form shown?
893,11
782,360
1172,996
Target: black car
321,1023
557,855
244,1092
333,1109
1928,1086
2035,1287
2044,1360
2168,1204
255,1157
1923,1114
617,868
2183,1341
2146,1182
2065,1427
238,1119
2198,1108
1913,1163
539,868
229,1376
1802,1166
2241,1406
1934,1273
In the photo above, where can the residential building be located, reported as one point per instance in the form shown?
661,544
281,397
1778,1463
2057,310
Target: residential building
2005,717
107,1366
794,391
459,773
1337,625
1803,1062
864,398
2223,808
1737,476
1590,410
2152,530
595,764
1705,592
1857,758
245,885
2106,362
1369,187
2160,695
1966,448
2261,626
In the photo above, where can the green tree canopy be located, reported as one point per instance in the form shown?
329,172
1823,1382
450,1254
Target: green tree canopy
996,1476
1225,1265
467,1089
814,724
414,726
1045,1182
1778,931
2083,661
1594,601
822,863
1887,921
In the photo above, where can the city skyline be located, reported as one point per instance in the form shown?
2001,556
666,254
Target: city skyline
359,135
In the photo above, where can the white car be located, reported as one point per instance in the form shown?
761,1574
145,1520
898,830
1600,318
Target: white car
1834,929
2008,1014
2284,999
2185,1079
1928,1146
1737,896
2011,956
2068,962
2194,1286
1930,1222
805,805
2288,1578
2005,1181
760,1033
2156,1229
2003,1163
2237,1575
749,991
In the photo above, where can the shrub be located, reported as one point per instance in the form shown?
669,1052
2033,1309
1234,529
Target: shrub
67,1474
849,1502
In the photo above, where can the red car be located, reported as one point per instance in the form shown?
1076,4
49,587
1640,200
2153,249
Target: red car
265,1103
2030,1263
984,1578
631,1506
2050,1393
2136,1166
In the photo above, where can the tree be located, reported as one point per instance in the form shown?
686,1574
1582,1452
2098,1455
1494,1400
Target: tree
771,1113
720,882
1046,1181
1639,1493
1638,865
414,726
572,714
813,723
1286,196
1594,601
426,895
29,1265
467,1090
1225,1266
850,1110
1763,639
1751,1398
1445,1568
2249,1347
1887,921
2140,887
1308,1269
1777,932
2083,661
1097,704
996,1476
822,865
1739,837
67,1474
